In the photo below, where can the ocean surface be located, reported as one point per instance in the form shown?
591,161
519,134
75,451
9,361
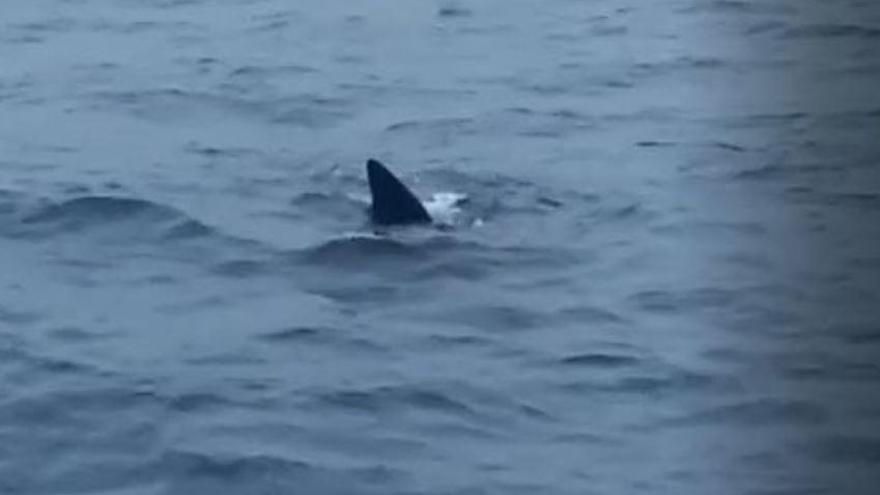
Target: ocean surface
658,275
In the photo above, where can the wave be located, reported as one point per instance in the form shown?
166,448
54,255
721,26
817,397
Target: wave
428,255
825,31
126,216
355,251
175,104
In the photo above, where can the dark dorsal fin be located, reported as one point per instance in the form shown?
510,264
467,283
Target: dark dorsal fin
393,203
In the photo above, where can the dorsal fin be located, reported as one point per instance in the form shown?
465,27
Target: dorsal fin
393,203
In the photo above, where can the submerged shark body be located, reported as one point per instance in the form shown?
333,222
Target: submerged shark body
392,202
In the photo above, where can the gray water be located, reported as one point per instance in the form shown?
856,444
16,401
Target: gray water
663,279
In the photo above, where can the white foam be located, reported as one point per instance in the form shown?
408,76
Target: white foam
443,207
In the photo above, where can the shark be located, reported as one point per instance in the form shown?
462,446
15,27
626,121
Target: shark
392,202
